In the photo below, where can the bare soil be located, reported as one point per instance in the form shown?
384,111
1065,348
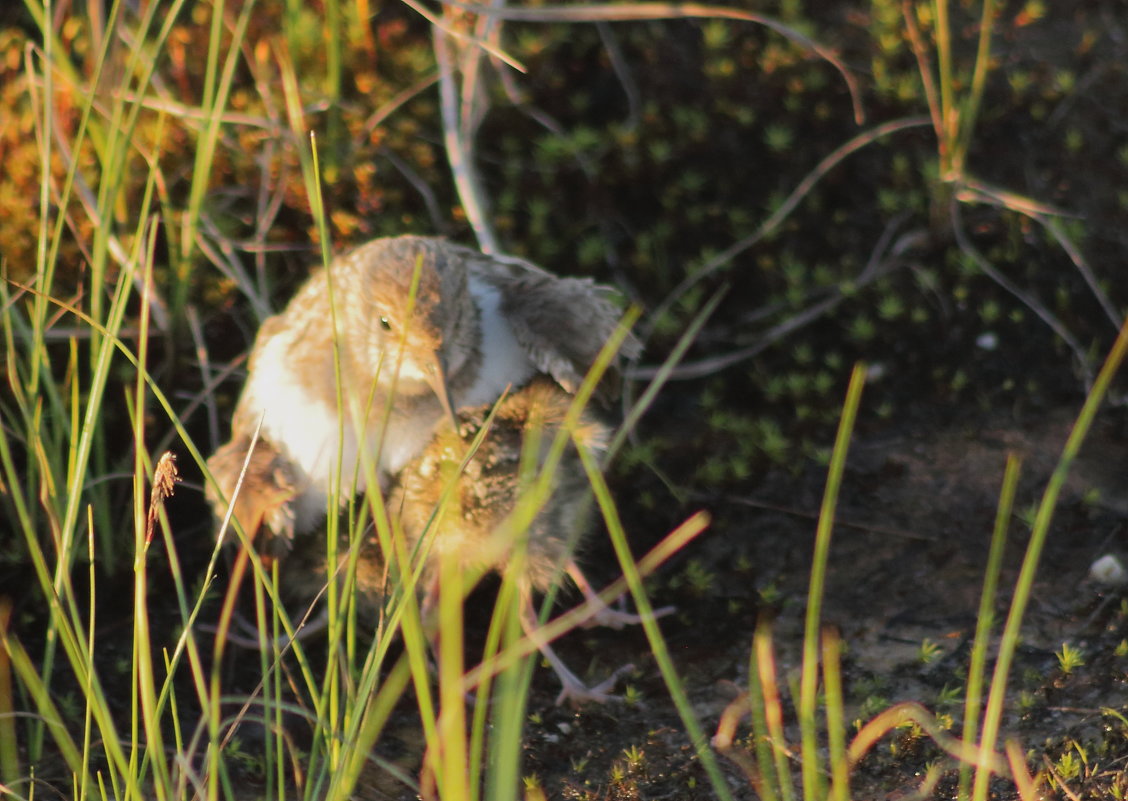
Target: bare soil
907,561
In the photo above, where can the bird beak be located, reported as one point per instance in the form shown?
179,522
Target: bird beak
438,382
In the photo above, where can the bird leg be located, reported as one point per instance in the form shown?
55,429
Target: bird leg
573,689
603,615
247,634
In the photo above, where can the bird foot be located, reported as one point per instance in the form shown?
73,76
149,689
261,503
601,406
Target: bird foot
241,633
617,618
576,692
601,613
245,634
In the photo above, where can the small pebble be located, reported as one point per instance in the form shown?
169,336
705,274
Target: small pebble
988,340
1108,570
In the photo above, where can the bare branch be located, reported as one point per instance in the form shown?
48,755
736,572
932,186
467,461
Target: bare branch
635,12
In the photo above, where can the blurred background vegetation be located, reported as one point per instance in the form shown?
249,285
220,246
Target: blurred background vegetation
635,152
968,245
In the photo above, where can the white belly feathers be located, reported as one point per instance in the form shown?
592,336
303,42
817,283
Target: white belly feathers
306,427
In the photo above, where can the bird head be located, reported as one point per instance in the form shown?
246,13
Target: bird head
420,317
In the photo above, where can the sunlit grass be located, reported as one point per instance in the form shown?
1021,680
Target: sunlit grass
80,368
976,754
168,745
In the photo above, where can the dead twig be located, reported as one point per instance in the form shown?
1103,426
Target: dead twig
1032,303
636,12
457,140
784,210
884,259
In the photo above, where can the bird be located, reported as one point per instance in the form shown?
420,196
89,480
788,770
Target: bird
486,474
261,485
454,506
350,379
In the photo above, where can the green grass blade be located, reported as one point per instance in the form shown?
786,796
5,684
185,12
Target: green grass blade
697,736
948,117
638,409
9,750
969,108
993,716
813,785
769,680
986,616
142,645
835,718
763,705
41,695
216,93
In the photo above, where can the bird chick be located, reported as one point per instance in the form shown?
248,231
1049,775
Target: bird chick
473,525
261,486
423,327
304,577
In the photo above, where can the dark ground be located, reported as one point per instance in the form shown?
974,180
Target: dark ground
721,133
907,563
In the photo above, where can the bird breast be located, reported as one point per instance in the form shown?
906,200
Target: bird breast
300,417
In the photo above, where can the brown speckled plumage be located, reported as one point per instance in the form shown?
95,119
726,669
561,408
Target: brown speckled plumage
479,325
486,493
262,500
477,525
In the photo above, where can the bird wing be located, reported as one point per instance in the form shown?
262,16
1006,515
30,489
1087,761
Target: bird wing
562,323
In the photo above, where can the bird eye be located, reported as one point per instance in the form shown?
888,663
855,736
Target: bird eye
385,324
